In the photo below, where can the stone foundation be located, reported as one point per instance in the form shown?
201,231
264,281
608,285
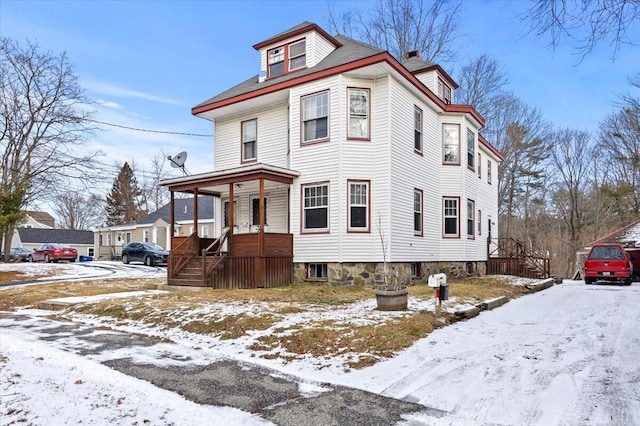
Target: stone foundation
372,274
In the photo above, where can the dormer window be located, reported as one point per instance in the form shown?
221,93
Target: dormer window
284,59
297,55
276,61
444,91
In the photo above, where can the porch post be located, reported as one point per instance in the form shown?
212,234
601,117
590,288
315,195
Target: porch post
260,268
195,211
232,215
172,215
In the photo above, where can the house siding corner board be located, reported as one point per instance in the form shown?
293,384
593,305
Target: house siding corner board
271,137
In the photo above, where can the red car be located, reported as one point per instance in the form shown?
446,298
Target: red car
608,262
53,253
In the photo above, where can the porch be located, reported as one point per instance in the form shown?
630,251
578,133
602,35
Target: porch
251,254
510,256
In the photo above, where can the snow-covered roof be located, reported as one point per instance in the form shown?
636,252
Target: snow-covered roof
628,236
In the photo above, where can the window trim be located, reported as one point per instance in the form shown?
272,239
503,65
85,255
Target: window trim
471,222
324,268
309,231
243,142
302,121
420,232
290,58
444,91
350,228
417,268
417,112
479,222
444,144
479,165
284,61
236,211
489,171
471,150
368,92
444,217
251,210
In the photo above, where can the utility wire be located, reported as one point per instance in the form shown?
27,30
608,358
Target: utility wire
150,131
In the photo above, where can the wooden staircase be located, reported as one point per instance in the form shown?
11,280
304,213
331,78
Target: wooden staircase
510,256
191,266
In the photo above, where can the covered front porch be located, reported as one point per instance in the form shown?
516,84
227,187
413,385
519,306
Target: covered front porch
252,245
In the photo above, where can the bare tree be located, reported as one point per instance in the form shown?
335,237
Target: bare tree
44,123
588,22
156,196
620,140
482,81
572,157
77,211
521,134
401,26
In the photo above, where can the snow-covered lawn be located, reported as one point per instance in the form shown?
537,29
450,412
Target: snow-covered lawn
564,356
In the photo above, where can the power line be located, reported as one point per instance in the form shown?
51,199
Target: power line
149,130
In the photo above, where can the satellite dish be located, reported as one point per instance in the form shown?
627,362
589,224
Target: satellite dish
178,160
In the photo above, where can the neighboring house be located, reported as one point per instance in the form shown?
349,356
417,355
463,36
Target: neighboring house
31,238
38,220
155,228
33,219
337,156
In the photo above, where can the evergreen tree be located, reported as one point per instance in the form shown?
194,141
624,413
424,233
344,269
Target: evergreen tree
123,203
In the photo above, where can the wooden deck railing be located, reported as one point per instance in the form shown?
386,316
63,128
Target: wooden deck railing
510,256
180,255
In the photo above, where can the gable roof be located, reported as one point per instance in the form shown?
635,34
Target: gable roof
628,235
350,55
349,51
42,217
62,236
183,210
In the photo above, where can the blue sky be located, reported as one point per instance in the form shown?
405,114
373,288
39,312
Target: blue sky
146,63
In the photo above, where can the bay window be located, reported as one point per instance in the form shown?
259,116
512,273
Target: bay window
315,117
358,126
358,209
451,143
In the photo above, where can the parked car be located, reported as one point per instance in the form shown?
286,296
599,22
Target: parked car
608,262
17,254
53,253
149,253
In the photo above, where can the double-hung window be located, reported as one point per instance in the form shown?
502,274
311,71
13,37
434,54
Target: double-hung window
471,149
297,55
489,171
471,211
417,129
358,126
315,206
451,143
315,117
358,206
417,212
249,140
444,91
480,165
275,58
451,217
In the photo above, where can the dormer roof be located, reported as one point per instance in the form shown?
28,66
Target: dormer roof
302,28
416,65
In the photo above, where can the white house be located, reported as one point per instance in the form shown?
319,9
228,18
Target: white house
346,157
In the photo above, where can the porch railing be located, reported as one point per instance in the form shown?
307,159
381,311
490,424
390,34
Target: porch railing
510,256
182,253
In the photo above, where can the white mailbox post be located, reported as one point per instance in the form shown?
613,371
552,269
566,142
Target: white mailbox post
439,282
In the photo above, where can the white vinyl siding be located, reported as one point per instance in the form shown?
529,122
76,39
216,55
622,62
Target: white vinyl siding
272,134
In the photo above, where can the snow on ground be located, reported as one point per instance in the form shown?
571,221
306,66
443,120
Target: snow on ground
563,356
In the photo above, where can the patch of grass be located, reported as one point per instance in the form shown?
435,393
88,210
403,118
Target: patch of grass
328,339
230,327
11,276
30,296
473,289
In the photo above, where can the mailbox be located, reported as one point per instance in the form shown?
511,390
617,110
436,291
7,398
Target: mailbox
437,280
444,292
